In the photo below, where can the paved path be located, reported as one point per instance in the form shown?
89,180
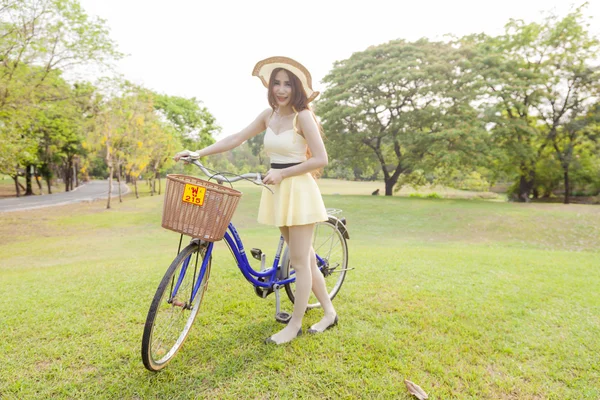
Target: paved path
93,190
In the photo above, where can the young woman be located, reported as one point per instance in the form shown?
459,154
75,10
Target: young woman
294,144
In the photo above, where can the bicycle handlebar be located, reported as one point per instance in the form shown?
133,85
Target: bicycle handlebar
254,177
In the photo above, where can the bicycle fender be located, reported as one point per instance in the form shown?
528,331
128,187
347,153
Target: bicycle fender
341,226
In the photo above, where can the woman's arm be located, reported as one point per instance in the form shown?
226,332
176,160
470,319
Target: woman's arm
309,128
232,141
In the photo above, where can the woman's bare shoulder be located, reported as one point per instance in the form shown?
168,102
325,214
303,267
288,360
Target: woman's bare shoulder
265,115
306,119
306,113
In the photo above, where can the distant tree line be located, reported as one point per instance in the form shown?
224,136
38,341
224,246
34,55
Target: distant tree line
52,128
521,108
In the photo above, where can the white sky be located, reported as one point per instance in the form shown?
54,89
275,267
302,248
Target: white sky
207,49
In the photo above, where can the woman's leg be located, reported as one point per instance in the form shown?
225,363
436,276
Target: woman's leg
299,240
320,291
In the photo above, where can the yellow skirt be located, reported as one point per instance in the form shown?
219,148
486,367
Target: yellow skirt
296,201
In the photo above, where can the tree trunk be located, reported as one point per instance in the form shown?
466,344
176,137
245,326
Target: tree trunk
109,162
110,175
64,173
72,174
67,178
29,190
137,196
45,172
158,177
37,179
526,182
389,186
17,184
119,184
567,186
76,172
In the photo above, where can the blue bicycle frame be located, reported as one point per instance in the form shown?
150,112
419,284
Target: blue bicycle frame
236,246
234,242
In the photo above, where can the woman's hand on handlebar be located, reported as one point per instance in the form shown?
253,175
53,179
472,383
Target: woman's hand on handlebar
188,154
273,177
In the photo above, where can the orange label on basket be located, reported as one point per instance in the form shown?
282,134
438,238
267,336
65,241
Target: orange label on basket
193,194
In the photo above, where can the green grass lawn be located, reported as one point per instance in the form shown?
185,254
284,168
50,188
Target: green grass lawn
469,299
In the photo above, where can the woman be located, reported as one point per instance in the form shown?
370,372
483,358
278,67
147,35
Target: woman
294,144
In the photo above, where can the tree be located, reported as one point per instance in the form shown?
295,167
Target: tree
61,128
511,83
573,86
256,146
16,148
126,125
193,123
19,149
136,136
50,34
535,80
40,38
407,104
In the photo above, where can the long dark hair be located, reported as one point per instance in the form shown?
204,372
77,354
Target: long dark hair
299,102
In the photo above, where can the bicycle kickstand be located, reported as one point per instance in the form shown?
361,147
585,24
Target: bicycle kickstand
280,316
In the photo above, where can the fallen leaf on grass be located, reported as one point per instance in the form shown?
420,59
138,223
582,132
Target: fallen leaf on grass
415,390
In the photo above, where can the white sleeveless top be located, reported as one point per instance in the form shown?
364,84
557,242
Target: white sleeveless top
285,147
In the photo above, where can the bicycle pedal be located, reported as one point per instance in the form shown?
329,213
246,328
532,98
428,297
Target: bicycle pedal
256,253
283,317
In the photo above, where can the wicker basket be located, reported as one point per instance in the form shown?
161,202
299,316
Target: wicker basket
198,208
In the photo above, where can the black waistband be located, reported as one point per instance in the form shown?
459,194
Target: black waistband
282,166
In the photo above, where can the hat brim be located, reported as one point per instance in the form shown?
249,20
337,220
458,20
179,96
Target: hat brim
263,69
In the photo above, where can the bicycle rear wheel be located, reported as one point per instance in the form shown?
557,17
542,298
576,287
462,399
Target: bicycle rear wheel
331,248
173,310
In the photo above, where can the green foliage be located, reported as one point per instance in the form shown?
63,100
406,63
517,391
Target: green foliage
194,124
402,106
472,181
466,113
432,195
48,35
39,120
239,160
548,175
415,179
256,146
535,81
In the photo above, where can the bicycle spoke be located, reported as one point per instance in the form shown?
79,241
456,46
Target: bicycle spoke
330,246
332,243
173,309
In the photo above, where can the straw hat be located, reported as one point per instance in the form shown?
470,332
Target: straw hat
264,68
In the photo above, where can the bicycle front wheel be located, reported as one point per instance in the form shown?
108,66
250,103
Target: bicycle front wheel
331,249
174,308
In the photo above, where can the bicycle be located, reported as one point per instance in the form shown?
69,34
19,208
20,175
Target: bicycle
181,291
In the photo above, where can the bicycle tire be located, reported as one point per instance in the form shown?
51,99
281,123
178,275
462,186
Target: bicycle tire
330,244
170,318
